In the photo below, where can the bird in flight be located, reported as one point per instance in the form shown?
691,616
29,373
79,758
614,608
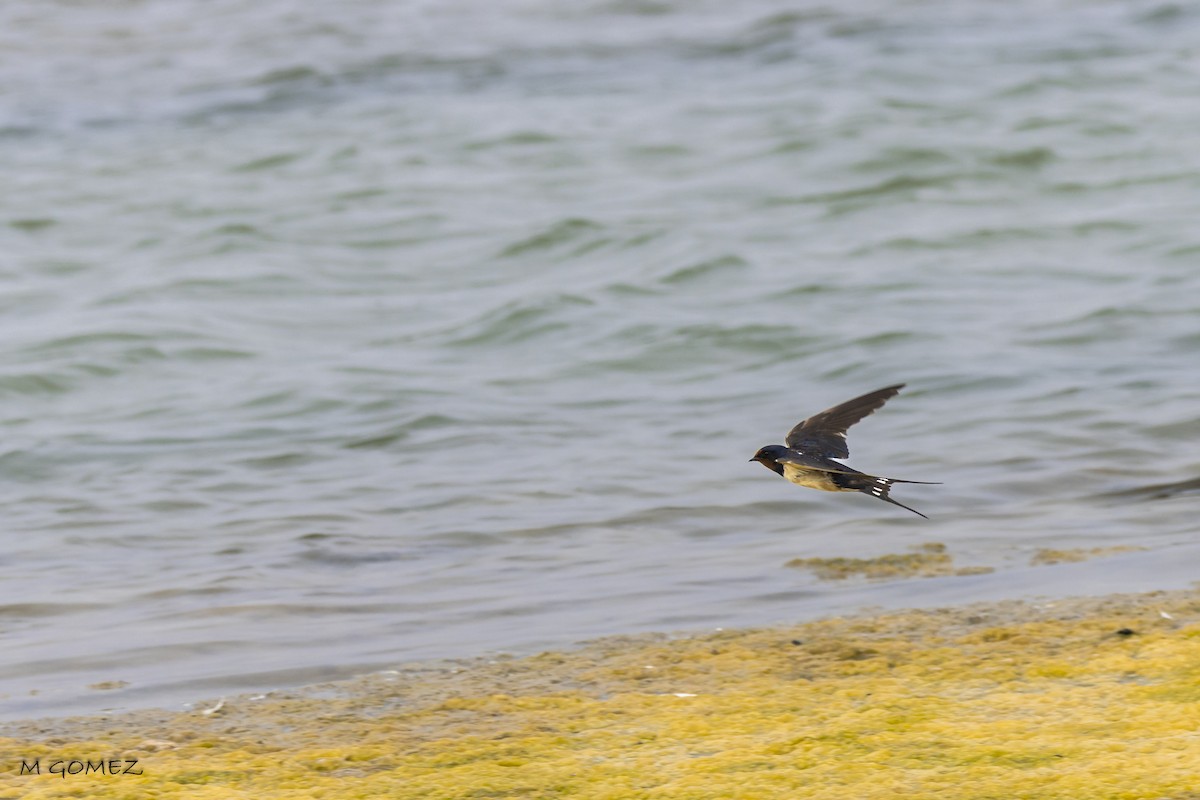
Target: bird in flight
807,458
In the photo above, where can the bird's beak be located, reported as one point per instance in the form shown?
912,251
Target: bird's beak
754,459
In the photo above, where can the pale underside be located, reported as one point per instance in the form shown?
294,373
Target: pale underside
811,478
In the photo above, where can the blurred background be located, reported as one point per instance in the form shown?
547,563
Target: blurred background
339,335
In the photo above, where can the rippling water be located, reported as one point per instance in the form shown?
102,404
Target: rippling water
338,335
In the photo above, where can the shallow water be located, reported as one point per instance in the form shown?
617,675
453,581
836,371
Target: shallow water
341,336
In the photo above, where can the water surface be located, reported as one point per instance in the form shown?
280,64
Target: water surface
336,337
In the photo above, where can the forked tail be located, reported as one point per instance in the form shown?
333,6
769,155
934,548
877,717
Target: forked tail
876,487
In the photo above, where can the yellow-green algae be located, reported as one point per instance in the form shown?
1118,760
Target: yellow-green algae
1049,556
928,560
1083,699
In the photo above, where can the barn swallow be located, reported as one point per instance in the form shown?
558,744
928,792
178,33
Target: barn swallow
807,458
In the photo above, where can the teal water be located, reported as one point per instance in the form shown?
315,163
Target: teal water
337,336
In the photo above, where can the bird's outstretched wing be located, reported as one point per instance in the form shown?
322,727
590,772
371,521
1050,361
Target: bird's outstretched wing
824,434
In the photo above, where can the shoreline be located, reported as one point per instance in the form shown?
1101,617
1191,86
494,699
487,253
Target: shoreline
1083,697
926,574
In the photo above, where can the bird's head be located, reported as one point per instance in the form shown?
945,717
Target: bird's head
769,456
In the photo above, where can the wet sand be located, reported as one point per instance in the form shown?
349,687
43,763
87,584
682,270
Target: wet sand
1083,698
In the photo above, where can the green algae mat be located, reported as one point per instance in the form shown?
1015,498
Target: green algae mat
1084,699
